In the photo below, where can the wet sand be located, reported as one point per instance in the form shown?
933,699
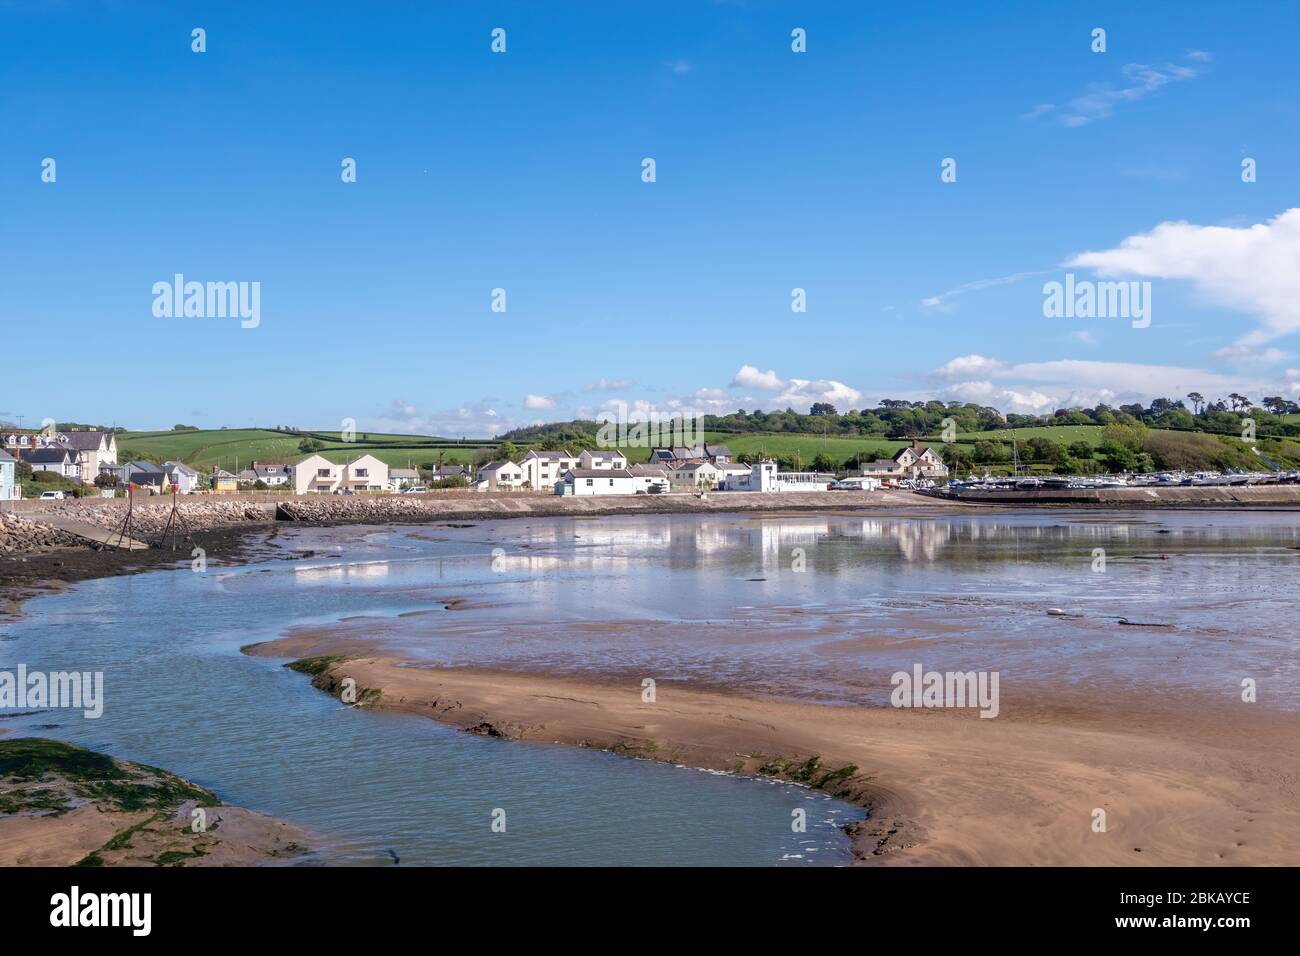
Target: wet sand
1181,782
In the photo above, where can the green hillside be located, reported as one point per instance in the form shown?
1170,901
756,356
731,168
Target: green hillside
234,448
230,448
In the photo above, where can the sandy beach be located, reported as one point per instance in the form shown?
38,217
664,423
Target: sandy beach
1181,783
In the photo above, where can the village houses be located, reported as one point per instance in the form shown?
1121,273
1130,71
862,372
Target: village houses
74,454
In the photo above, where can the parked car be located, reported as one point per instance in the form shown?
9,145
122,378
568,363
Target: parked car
415,491
52,496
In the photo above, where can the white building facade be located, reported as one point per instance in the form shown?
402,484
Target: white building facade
764,476
316,474
543,470
597,481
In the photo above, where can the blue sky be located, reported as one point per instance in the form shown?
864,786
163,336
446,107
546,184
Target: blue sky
522,171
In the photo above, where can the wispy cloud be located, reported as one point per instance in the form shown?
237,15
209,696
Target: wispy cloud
1137,82
942,297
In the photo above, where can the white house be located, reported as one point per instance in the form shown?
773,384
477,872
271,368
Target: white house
55,458
913,461
699,476
597,481
93,449
543,469
269,473
402,478
366,473
650,480
729,472
8,486
181,476
500,476
317,474
603,458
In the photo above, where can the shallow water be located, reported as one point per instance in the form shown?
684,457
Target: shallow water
180,695
722,599
812,607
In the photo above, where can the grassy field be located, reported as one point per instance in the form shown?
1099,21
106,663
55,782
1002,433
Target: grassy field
807,447
1061,434
236,447
229,448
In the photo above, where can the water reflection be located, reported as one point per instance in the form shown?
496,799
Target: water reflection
819,606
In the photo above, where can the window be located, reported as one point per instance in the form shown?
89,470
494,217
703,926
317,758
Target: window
590,481
322,472
611,482
363,473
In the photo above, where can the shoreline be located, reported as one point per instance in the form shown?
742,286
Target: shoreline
63,805
228,530
224,527
1183,784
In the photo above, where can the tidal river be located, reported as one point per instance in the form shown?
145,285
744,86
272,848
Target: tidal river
815,607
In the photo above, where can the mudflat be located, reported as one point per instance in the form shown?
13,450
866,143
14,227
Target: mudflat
1067,777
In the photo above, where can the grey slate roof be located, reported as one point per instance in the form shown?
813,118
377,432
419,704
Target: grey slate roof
598,473
50,456
85,441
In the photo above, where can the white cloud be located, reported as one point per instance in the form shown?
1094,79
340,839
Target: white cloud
1251,269
610,385
800,394
1003,399
1038,387
750,377
539,401
678,67
968,366
796,393
479,420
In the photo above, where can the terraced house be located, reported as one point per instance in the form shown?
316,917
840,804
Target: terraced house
316,474
542,470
